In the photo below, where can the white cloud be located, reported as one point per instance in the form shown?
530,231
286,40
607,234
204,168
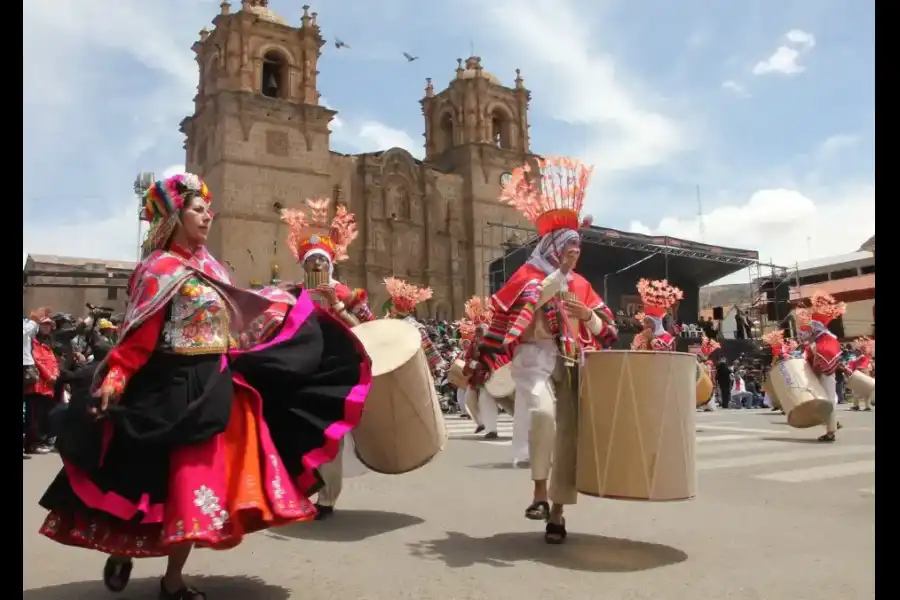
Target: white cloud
836,144
557,49
735,87
784,60
784,225
372,136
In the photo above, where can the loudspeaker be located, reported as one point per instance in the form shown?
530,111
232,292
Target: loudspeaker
718,313
778,298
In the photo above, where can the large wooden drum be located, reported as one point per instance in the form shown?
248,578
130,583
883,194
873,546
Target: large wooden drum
500,384
636,428
770,390
704,385
456,374
402,427
802,397
862,385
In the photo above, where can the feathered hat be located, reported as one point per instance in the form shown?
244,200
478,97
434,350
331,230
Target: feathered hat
466,329
311,230
774,339
163,200
708,346
866,345
823,308
552,196
405,296
657,296
478,310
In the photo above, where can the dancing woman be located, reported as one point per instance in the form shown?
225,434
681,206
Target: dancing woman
821,348
545,315
707,347
657,297
194,442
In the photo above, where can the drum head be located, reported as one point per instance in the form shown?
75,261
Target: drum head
389,342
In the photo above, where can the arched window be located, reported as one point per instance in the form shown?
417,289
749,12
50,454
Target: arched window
500,129
274,75
447,131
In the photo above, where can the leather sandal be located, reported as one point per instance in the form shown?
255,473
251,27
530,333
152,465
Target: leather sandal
117,573
538,511
555,533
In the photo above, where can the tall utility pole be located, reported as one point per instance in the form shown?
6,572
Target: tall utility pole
701,224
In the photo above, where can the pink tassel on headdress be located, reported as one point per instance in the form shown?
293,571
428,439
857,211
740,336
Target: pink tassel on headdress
866,345
343,232
826,307
478,310
298,229
553,197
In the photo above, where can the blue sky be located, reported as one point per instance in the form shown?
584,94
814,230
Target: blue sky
767,105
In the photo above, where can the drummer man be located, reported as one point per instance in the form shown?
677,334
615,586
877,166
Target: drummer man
404,299
864,349
317,245
472,328
532,324
822,349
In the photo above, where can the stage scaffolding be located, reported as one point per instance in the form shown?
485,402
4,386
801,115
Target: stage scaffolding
759,273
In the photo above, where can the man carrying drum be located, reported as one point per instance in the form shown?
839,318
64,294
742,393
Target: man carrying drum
657,297
404,299
545,315
318,244
472,328
707,347
864,363
822,349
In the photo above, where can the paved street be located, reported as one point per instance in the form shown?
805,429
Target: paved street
779,517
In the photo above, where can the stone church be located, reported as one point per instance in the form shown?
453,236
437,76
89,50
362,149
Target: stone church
261,140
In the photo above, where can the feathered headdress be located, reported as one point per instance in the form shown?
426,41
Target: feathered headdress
478,310
658,296
466,329
866,345
824,308
708,346
405,296
161,202
310,230
553,196
774,340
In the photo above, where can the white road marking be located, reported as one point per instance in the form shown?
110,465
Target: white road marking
782,457
820,473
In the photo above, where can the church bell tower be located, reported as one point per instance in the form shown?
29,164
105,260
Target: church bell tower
258,135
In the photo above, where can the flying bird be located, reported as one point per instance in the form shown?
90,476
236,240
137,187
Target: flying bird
409,57
338,43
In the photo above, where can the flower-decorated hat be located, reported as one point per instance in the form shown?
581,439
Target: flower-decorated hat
553,196
311,232
823,309
708,346
866,345
163,200
405,296
478,310
466,329
658,296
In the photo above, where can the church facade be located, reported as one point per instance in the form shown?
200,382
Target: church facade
261,140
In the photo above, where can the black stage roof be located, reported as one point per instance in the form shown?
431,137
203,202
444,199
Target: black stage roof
700,263
613,261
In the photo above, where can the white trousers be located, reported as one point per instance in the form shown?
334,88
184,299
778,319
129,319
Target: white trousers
483,408
532,369
830,384
332,475
461,400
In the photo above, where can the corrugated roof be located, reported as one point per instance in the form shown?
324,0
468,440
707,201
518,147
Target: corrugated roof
833,261
74,261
